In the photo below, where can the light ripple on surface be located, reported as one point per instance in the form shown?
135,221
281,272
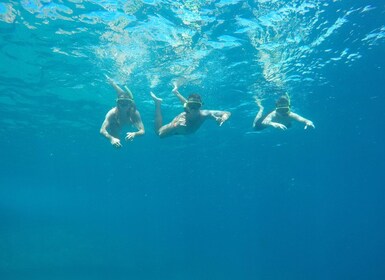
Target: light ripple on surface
255,47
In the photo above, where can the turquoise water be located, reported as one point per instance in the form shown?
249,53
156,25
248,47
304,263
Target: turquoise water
223,203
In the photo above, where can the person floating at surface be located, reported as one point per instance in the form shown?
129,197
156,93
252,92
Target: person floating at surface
125,113
279,118
190,120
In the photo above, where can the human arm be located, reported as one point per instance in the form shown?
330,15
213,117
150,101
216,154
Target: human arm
179,95
104,130
219,116
269,121
137,122
176,126
298,118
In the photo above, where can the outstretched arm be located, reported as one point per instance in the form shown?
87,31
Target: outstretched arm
268,121
219,116
104,131
298,118
139,125
177,94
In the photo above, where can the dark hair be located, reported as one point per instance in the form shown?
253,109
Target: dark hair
131,103
195,98
282,101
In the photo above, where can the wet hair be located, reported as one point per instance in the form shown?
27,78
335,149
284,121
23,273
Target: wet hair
282,101
131,103
124,97
194,98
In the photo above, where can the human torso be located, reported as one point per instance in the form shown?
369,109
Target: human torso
192,124
118,119
282,119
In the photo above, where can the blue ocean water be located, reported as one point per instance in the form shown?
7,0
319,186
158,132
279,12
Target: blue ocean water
223,203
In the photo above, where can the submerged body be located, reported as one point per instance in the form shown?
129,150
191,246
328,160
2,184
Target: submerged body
281,117
190,120
124,114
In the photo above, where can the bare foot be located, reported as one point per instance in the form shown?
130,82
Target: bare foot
156,99
258,102
175,86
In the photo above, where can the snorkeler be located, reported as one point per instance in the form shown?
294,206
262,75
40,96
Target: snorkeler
280,118
125,113
188,121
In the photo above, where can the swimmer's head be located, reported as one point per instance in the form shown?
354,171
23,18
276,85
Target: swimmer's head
194,102
124,101
282,105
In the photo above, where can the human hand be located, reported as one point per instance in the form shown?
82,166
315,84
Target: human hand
130,136
222,119
309,124
116,142
278,125
180,122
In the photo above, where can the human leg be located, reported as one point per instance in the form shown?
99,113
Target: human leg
260,111
118,90
158,112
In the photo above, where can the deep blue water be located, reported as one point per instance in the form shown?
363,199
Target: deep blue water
224,203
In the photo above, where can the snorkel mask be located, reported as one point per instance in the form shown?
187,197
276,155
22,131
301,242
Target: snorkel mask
283,110
124,101
282,106
125,98
193,103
